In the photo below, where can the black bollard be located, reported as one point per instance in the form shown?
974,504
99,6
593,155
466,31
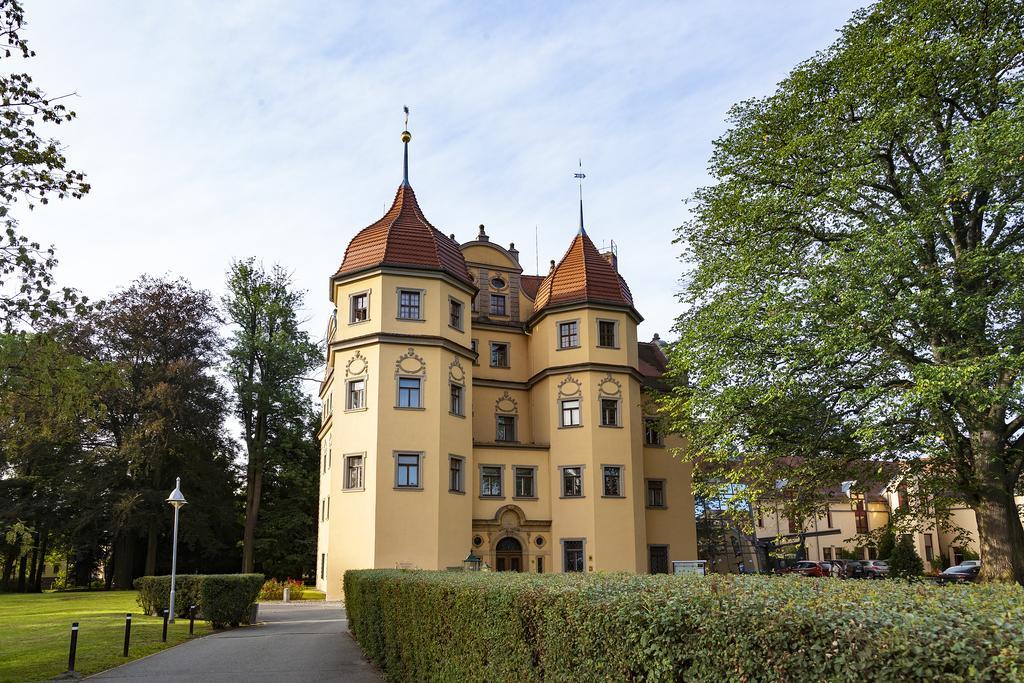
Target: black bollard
167,614
191,619
74,647
127,632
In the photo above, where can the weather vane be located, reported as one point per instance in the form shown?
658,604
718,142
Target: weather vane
580,175
406,110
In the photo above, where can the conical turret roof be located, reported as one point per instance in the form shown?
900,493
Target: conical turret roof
404,238
583,276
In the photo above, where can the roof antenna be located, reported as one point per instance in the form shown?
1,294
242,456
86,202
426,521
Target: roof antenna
536,252
580,176
406,137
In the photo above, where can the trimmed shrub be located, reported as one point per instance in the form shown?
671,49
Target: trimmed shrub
155,593
470,626
229,599
218,596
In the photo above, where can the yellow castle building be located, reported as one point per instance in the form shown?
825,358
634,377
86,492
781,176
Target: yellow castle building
469,408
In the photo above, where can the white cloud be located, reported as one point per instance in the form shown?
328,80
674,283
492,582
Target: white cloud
214,131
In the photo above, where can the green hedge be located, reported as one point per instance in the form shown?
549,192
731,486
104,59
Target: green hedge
223,599
510,627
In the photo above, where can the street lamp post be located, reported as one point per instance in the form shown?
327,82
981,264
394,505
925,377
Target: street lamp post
176,499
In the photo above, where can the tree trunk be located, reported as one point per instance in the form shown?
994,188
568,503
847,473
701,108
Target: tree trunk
37,578
1000,533
254,490
9,561
124,561
21,573
153,536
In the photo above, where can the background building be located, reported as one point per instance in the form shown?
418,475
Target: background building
471,407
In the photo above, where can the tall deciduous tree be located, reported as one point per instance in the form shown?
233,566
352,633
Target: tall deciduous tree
858,294
33,169
166,418
268,356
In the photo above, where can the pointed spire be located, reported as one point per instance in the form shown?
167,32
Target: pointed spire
406,137
580,176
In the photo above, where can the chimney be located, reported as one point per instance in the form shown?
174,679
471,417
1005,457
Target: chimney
512,250
552,265
482,237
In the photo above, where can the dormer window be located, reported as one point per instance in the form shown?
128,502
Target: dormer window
498,304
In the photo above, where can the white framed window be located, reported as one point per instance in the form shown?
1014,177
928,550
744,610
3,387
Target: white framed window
609,412
498,306
355,394
611,481
572,481
456,474
499,354
573,559
358,307
410,304
652,435
525,482
455,313
608,334
491,481
353,480
410,390
570,412
569,334
456,399
407,470
505,428
656,493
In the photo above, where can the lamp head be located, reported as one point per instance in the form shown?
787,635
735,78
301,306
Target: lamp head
176,499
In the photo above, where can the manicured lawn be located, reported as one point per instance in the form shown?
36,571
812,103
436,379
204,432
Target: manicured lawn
35,632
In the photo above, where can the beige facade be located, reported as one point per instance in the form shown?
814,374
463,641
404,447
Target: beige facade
465,417
841,531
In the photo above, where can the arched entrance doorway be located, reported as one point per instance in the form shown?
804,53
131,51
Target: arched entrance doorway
508,555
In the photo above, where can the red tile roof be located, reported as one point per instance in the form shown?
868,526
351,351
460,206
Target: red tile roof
530,283
404,238
652,364
583,276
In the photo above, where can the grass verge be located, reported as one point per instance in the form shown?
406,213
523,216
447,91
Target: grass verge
36,633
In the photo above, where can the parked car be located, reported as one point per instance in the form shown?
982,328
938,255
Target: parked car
970,563
959,574
853,568
808,568
875,569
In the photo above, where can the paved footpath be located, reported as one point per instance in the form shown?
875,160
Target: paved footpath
306,641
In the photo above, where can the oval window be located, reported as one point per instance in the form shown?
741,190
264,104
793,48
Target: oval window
497,283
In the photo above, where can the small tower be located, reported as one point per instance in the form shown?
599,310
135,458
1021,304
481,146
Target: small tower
399,381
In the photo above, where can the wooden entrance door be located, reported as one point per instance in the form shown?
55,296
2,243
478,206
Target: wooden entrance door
508,555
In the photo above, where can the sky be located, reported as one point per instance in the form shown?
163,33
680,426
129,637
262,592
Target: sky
213,131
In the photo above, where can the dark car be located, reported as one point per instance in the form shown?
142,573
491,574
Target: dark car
959,574
851,569
808,568
875,569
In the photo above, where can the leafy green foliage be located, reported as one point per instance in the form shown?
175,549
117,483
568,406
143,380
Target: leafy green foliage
527,627
905,563
857,295
155,593
274,590
222,599
886,543
268,357
229,599
32,169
